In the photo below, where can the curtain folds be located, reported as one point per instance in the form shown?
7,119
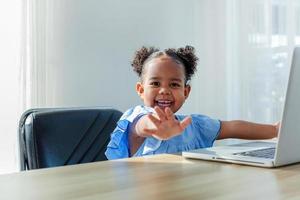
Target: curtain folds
36,36
265,40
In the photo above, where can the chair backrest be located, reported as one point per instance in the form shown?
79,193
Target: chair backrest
50,137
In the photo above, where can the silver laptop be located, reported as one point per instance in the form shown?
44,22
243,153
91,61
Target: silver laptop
266,154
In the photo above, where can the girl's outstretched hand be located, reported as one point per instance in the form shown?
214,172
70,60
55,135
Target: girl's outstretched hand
163,125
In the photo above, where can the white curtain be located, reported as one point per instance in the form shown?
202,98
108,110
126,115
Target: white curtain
36,39
265,34
245,53
10,26
23,69
259,38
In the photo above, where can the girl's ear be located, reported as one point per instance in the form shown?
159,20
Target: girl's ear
139,89
187,90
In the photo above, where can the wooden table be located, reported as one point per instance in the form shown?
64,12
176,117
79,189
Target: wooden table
153,177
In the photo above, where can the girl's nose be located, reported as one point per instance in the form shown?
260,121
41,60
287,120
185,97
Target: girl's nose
164,90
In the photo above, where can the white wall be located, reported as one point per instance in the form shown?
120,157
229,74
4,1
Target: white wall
90,45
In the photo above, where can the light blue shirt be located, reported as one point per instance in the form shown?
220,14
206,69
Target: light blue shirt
201,133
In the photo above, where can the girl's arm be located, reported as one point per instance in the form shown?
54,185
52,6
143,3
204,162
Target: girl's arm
247,130
136,137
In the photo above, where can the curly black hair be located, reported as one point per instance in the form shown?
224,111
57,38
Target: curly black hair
185,55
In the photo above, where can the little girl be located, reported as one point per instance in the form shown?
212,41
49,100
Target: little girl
153,128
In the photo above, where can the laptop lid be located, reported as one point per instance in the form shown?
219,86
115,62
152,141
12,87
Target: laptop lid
288,146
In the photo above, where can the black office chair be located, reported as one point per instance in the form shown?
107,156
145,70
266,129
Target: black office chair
50,137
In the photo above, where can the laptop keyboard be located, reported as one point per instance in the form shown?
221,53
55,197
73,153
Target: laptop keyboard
261,153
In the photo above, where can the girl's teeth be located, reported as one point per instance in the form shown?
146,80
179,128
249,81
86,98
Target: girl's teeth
164,103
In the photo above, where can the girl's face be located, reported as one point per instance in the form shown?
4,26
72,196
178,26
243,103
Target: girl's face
163,84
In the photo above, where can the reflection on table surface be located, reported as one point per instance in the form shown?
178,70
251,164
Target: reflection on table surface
153,177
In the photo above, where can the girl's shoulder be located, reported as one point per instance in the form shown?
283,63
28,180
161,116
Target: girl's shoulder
196,117
201,120
136,111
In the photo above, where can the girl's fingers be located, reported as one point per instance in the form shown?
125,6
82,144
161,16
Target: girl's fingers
169,114
154,120
185,122
160,113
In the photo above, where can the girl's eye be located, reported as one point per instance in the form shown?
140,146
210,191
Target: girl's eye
175,85
156,84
